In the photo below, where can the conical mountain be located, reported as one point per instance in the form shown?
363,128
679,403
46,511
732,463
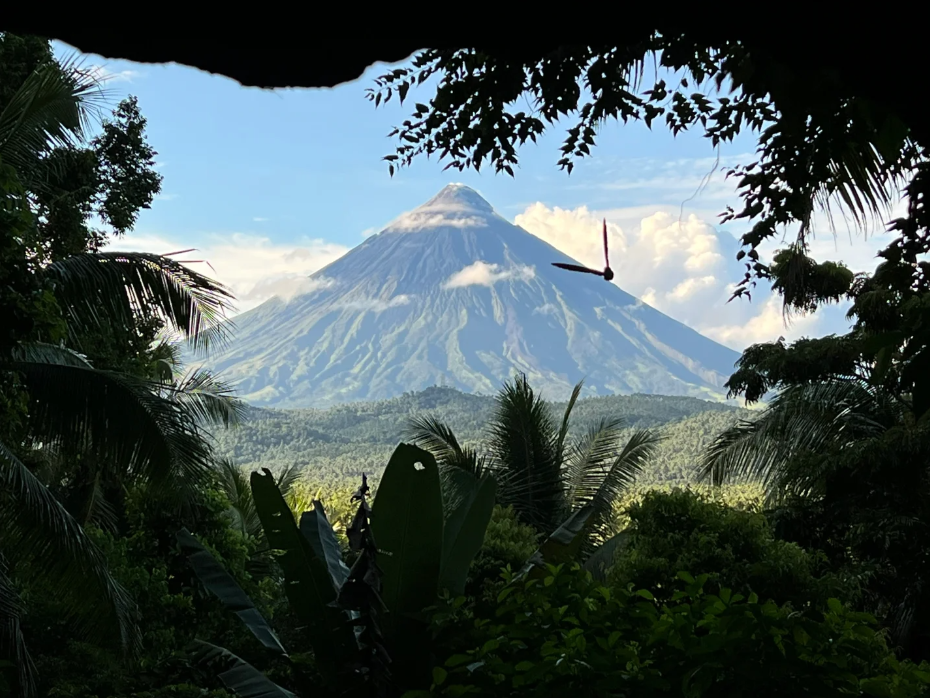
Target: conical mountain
453,294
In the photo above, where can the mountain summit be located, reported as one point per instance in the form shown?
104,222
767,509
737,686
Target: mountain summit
452,293
454,206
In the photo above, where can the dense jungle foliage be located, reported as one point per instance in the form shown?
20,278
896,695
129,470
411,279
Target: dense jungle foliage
504,546
341,443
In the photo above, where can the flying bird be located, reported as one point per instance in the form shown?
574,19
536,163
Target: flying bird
608,273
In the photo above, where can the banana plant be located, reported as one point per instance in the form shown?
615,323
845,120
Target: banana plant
367,626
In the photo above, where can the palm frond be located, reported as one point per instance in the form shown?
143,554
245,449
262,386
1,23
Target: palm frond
522,438
622,472
458,466
99,289
207,398
12,643
47,544
51,108
864,182
235,486
167,360
607,472
97,509
287,478
804,419
566,421
437,437
588,459
44,353
120,420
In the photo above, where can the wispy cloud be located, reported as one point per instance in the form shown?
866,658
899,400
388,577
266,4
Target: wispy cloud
426,221
682,180
484,274
253,267
286,286
259,219
104,75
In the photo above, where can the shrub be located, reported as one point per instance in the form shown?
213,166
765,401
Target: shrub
173,606
681,530
507,542
565,635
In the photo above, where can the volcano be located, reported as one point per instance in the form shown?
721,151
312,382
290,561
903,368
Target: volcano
453,294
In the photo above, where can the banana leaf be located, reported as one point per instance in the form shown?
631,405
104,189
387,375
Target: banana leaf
407,524
221,584
465,526
308,585
237,675
319,533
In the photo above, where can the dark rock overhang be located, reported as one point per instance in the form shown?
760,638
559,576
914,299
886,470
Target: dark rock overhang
876,54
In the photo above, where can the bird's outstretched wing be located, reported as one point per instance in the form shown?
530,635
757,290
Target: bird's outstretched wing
575,267
606,258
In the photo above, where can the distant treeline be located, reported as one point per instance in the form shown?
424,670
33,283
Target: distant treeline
341,443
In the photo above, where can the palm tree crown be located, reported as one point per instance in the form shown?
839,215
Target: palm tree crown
541,472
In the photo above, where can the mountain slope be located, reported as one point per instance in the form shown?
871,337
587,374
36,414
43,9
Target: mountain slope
453,294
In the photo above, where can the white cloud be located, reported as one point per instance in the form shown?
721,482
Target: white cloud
253,267
545,309
424,221
104,75
767,326
286,287
679,265
368,232
259,219
375,304
484,274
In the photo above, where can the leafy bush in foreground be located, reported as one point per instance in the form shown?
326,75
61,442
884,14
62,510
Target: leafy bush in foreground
565,635
681,530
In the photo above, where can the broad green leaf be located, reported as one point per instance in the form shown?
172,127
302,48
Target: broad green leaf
464,533
563,545
221,584
308,585
319,533
406,522
600,561
239,676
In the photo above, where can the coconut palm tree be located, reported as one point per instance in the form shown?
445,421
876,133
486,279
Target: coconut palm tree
130,429
149,431
804,420
540,471
844,466
53,107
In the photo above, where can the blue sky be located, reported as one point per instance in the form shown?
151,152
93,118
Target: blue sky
276,184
